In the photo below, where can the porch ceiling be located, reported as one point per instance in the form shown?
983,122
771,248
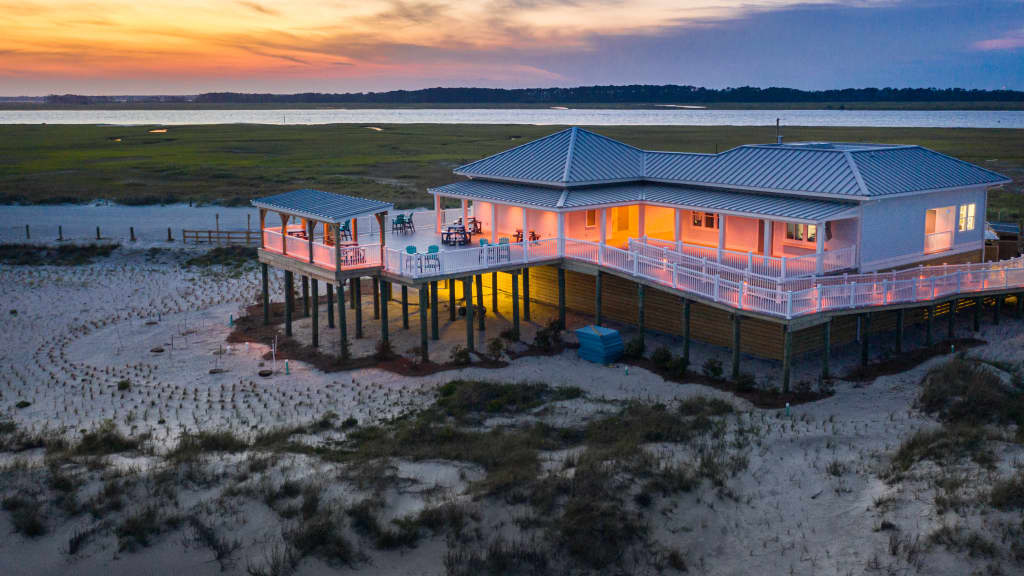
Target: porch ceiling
322,206
727,201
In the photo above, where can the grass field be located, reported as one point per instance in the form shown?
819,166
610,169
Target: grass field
232,163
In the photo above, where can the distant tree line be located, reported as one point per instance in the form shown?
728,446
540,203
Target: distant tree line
634,94
623,95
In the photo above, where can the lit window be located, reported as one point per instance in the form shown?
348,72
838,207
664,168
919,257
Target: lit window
966,221
802,232
591,218
705,220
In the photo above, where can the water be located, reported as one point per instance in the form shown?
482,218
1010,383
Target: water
584,117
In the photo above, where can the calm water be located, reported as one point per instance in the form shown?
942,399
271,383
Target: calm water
591,117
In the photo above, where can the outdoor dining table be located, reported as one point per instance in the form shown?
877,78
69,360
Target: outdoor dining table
455,235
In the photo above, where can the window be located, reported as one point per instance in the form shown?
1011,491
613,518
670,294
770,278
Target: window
966,221
802,233
705,220
591,218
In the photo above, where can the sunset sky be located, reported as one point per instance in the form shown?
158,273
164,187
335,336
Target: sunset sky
190,46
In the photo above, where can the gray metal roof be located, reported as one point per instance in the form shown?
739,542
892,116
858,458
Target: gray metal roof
576,157
571,156
752,203
322,206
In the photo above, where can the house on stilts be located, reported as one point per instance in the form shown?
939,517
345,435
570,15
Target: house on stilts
773,250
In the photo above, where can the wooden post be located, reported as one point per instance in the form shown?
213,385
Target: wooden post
515,306
640,309
451,299
435,333
305,296
131,233
330,305
315,287
28,234
1019,310
977,314
482,317
266,293
97,232
405,306
735,347
424,296
996,308
376,297
929,338
526,291
686,330
352,292
865,338
597,299
561,298
787,357
899,330
357,286
60,233
342,323
826,351
382,286
951,320
169,237
467,289
289,305
494,293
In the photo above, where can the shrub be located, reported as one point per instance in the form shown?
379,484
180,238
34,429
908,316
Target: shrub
965,392
661,357
460,355
1009,494
634,348
384,350
745,382
495,348
548,337
712,368
123,385
25,516
677,367
105,439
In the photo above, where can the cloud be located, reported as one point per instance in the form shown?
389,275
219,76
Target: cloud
1009,41
257,7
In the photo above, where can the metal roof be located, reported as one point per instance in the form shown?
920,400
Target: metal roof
571,156
577,157
322,206
758,204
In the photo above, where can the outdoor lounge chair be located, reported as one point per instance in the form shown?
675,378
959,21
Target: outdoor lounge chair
431,261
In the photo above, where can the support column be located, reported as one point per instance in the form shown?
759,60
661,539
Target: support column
826,351
865,338
676,227
951,320
405,306
767,237
1019,310
330,305
451,299
819,249
561,298
434,332
977,314
266,293
597,299
641,225
376,297
494,223
305,296
515,306
604,226
383,286
899,330
352,291
735,347
997,308
640,311
929,338
315,286
787,357
494,294
289,301
437,214
720,218
526,294
357,295
424,296
467,289
342,323
465,211
561,233
686,330
482,317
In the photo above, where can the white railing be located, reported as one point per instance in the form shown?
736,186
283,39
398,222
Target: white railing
938,241
420,265
775,266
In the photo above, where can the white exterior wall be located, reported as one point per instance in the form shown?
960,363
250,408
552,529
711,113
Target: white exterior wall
893,229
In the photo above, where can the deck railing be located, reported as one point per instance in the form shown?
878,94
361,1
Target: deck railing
938,242
352,256
774,266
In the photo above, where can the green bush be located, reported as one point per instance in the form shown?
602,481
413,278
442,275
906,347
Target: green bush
495,348
745,382
677,367
661,357
459,355
634,348
712,368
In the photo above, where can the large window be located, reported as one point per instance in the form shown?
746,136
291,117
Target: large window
705,220
966,221
802,233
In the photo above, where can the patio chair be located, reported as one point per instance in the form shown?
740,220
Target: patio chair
398,223
431,261
410,223
346,230
504,250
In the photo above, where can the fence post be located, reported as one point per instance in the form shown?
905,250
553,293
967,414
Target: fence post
750,260
675,272
885,291
789,304
853,289
526,255
131,233
60,233
783,267
819,298
169,237
717,278
97,232
28,235
933,287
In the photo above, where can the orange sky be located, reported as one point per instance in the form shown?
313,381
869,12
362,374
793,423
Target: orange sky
116,41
